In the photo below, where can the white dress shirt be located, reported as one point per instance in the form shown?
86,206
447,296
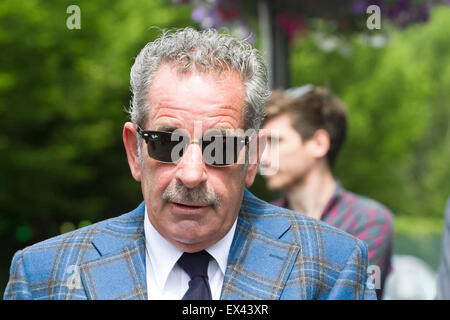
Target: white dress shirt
165,279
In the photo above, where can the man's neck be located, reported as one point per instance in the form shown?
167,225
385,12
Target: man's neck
311,194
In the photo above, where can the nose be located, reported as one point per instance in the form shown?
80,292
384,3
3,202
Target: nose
191,170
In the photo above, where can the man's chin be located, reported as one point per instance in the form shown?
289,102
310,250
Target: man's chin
191,242
192,235
189,232
274,186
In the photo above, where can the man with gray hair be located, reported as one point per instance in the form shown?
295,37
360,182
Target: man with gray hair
197,104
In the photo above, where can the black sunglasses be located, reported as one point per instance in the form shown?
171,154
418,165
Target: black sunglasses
218,150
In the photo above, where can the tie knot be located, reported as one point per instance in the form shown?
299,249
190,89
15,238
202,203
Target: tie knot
195,264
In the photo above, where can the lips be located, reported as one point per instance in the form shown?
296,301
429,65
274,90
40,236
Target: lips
188,208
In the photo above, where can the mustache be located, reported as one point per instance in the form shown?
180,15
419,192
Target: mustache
178,192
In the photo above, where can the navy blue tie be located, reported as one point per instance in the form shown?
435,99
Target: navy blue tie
196,266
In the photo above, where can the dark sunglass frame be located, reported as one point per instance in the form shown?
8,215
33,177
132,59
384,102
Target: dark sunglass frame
166,140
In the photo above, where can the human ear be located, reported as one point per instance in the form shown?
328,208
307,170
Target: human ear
320,143
131,147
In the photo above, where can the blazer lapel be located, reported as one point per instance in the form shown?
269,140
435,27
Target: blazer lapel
119,271
259,261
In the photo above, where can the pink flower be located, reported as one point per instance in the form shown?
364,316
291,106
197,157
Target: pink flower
290,24
229,13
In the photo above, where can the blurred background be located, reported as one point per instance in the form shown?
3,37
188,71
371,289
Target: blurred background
64,85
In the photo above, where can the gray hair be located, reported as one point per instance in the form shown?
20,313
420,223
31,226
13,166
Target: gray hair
205,51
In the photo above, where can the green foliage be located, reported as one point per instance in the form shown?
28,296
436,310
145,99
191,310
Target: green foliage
62,99
398,149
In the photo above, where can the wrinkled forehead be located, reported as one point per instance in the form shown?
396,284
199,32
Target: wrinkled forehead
182,99
171,77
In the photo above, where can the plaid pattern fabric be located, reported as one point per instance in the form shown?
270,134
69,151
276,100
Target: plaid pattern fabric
364,218
101,261
275,254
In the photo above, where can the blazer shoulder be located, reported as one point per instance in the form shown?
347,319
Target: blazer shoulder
124,223
365,206
315,237
54,257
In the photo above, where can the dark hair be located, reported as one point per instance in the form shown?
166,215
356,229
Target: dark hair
316,109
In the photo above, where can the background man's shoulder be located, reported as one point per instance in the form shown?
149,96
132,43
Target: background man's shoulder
365,206
314,236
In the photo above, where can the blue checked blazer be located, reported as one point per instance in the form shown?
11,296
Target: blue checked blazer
275,254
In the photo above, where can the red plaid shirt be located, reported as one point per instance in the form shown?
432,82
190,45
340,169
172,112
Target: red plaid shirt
364,218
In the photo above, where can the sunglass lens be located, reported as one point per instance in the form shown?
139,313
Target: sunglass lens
221,150
166,146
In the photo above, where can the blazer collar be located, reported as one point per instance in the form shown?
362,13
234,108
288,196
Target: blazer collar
119,270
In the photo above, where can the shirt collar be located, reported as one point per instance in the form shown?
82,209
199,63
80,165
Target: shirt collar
334,199
164,255
220,250
284,203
